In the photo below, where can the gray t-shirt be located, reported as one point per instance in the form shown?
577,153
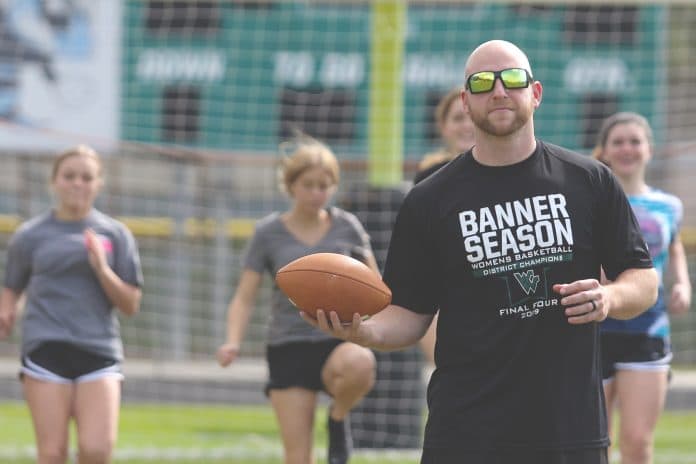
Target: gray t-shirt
47,259
273,246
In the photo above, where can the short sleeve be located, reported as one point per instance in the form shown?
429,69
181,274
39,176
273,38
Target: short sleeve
408,269
621,241
678,217
363,248
127,260
18,263
255,253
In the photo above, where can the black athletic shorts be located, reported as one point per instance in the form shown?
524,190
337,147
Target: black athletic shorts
61,362
515,456
638,352
298,364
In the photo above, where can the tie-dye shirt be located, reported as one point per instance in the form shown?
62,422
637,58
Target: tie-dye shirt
660,216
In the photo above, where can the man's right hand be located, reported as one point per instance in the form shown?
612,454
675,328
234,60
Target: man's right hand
357,331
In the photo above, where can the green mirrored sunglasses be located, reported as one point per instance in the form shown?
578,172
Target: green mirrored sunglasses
512,78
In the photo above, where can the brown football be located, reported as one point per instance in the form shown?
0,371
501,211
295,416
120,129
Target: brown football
333,282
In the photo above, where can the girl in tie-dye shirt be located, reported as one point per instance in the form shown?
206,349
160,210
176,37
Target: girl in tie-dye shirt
636,353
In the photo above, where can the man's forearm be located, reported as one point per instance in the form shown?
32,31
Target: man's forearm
633,292
396,328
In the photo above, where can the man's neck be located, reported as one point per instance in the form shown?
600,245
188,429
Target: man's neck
492,150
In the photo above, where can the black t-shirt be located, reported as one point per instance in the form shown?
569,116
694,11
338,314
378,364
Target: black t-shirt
485,245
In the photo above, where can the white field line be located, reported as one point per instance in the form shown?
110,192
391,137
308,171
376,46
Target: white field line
272,451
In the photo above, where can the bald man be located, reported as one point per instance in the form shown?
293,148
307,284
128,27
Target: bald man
508,241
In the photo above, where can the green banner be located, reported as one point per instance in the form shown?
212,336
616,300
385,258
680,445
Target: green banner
231,76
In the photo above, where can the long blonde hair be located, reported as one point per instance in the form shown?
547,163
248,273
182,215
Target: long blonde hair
305,153
435,157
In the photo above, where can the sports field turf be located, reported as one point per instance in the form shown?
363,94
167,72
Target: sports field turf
248,435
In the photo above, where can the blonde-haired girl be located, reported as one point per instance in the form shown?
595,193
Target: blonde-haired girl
302,360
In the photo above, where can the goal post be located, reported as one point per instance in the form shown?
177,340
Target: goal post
386,104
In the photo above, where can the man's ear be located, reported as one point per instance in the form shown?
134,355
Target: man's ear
537,91
463,96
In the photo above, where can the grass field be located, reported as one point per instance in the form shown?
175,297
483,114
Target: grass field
248,435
